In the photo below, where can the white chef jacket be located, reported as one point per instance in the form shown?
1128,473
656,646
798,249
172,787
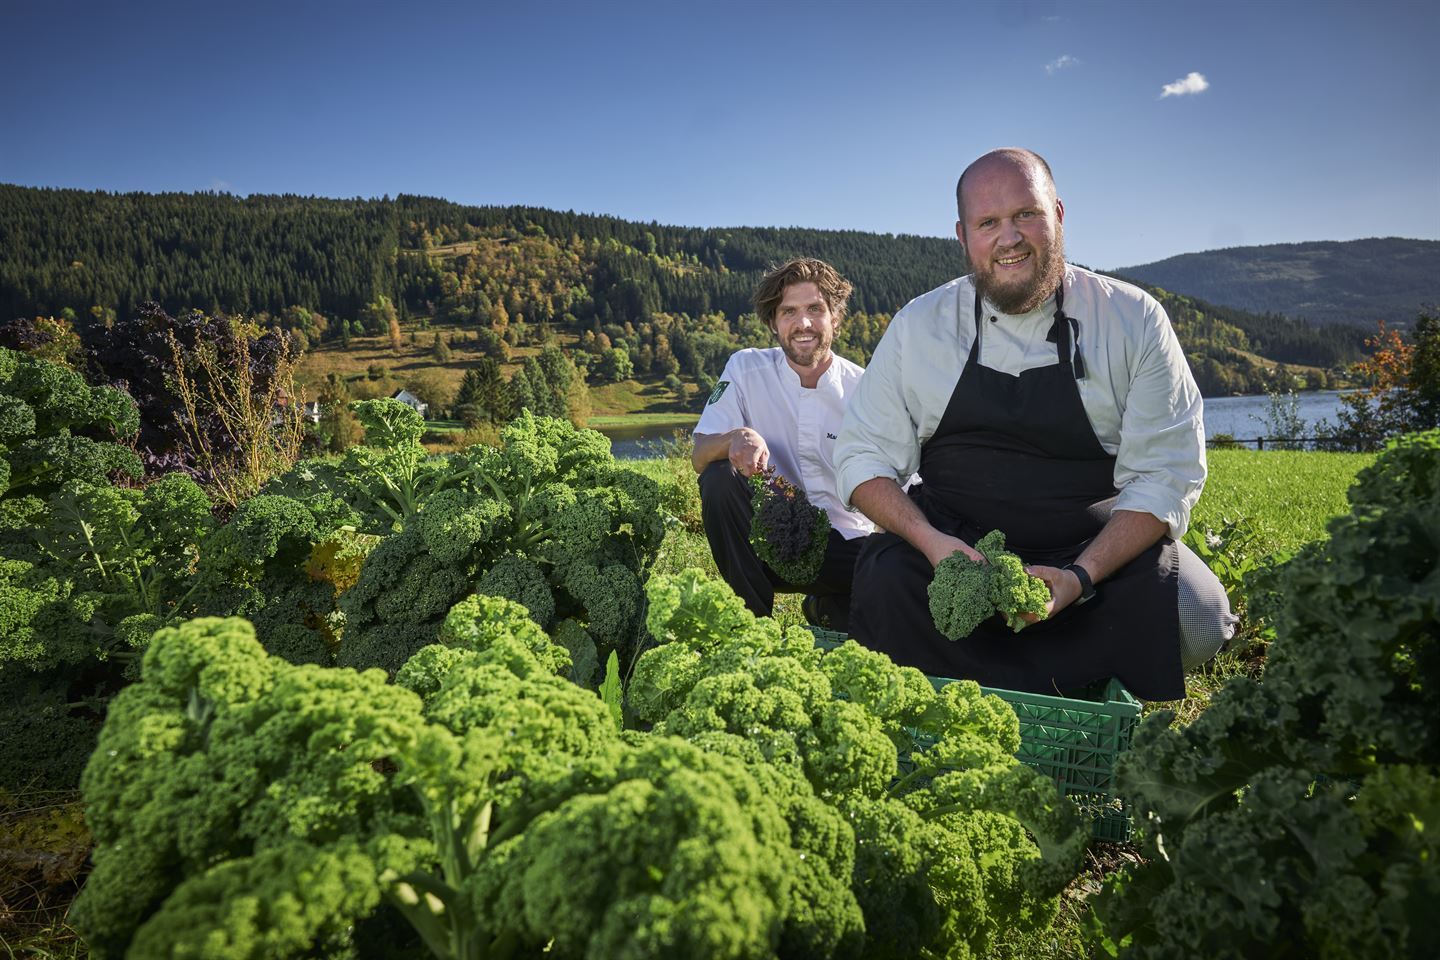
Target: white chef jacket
1138,391
758,389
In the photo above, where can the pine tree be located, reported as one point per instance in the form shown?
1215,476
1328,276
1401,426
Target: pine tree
546,402
521,393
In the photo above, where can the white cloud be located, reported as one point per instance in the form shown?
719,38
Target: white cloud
219,186
1194,83
1054,66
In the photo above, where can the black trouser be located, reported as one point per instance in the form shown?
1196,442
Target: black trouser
725,509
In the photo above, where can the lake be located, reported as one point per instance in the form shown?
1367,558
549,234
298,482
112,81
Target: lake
1244,418
642,441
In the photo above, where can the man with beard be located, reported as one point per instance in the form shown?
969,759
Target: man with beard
781,407
1053,404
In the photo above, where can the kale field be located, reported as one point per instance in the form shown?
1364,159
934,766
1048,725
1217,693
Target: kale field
495,703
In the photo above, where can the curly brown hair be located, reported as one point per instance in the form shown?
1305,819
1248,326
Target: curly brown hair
833,287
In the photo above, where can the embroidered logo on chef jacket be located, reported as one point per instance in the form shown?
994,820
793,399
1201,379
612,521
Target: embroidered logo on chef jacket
718,392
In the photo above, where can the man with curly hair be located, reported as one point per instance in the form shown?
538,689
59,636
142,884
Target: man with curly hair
781,408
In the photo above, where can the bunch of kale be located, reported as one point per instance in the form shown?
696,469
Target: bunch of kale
88,567
787,531
964,592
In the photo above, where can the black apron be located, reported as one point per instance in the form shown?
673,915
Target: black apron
1018,454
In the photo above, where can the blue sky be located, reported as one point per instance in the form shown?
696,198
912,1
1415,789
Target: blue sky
1285,122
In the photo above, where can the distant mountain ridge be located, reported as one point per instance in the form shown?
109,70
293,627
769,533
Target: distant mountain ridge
1353,282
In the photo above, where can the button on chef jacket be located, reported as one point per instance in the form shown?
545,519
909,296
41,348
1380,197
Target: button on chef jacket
759,390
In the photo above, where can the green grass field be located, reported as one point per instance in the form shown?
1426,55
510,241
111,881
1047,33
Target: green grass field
1287,495
678,420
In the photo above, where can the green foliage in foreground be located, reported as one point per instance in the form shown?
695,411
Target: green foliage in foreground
547,518
1293,812
87,569
1319,481
244,806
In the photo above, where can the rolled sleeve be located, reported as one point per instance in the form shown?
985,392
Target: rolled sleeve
878,437
1160,464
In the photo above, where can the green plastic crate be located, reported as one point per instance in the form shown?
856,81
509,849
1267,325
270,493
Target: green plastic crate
1073,741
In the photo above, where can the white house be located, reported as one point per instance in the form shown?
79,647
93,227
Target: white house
414,402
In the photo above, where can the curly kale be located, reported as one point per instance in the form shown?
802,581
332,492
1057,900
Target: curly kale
787,531
47,741
943,855
267,564
548,519
105,566
226,773
964,593
960,596
77,555
662,849
396,606
1295,808
520,579
245,806
56,429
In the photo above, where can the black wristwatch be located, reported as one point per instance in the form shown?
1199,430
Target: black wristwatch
1087,589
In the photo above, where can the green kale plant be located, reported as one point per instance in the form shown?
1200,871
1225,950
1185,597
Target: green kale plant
282,564
88,569
246,806
788,532
1295,816
381,484
936,861
548,519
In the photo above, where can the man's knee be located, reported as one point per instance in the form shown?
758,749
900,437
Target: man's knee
1206,622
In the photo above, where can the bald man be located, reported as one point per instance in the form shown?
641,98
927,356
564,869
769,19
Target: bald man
1055,405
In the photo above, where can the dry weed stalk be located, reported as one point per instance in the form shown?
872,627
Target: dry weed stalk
242,432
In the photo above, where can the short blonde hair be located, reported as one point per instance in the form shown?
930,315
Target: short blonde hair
833,287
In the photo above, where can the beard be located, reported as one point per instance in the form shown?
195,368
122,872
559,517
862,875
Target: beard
817,353
1023,295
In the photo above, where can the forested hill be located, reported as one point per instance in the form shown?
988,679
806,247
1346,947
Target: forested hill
334,268
1355,282
68,248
